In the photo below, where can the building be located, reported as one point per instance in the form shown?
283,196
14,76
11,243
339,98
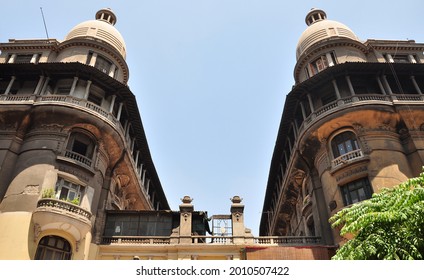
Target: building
76,177
352,124
72,144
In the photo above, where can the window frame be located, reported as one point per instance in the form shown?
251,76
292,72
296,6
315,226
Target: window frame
48,245
335,143
76,190
81,137
348,189
320,63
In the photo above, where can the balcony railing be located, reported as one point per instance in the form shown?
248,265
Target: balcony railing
348,157
213,240
78,157
64,206
136,240
287,240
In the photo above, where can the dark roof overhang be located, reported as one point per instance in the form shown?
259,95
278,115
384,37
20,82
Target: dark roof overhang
122,91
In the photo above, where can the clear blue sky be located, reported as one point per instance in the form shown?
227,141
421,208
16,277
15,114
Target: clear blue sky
210,77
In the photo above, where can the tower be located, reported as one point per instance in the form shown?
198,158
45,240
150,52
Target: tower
351,125
72,144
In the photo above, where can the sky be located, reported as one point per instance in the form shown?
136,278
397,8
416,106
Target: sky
210,78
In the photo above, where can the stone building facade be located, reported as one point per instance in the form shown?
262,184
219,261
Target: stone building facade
352,124
72,143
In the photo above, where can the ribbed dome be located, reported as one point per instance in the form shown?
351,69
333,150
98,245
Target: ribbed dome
320,28
102,28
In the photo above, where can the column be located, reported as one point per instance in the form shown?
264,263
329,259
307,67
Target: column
311,104
112,103
349,83
303,110
295,132
132,145
87,90
336,89
237,219
34,58
12,58
148,183
411,58
186,210
380,85
389,58
9,86
93,59
112,70
417,87
46,83
74,84
329,59
136,157
118,115
38,87
386,84
143,179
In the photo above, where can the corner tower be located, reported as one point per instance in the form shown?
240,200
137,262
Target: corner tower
323,44
97,43
72,144
352,124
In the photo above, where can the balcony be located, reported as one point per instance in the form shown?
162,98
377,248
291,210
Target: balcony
64,100
53,214
346,158
78,158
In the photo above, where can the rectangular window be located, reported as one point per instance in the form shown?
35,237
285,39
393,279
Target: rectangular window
103,64
68,191
23,58
321,63
401,58
356,191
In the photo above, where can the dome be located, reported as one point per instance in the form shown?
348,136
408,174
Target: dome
102,28
320,28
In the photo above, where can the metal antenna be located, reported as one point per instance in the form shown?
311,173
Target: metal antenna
44,21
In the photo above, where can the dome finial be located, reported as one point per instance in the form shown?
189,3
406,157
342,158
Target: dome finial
106,15
315,15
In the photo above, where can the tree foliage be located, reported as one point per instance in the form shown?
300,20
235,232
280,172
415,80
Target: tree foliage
389,225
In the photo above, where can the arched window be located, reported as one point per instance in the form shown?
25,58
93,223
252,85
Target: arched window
80,148
53,248
345,148
344,143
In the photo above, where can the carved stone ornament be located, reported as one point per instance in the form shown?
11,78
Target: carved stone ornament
37,231
237,215
186,199
236,199
31,190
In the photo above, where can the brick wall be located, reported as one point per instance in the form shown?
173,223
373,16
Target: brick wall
289,253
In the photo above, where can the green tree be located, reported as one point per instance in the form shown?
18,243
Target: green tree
389,225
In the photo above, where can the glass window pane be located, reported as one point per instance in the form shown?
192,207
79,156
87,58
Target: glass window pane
348,146
362,195
341,149
356,191
354,197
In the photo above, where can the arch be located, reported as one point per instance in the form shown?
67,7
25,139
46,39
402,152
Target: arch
344,142
53,247
81,146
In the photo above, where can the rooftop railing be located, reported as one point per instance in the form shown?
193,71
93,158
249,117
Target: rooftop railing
213,240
